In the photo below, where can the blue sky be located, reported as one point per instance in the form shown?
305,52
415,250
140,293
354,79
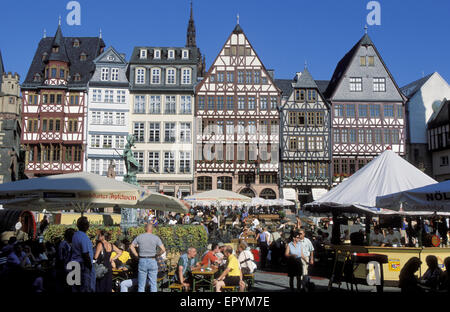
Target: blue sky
412,38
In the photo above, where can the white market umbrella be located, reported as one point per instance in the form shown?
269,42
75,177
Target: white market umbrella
217,198
387,173
431,198
81,191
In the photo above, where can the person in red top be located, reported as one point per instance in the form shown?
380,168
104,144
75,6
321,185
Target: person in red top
210,257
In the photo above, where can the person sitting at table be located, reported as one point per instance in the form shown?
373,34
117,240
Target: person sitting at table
232,275
121,261
408,282
376,237
444,283
186,264
392,239
210,258
432,275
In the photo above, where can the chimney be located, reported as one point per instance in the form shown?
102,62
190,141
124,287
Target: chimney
297,76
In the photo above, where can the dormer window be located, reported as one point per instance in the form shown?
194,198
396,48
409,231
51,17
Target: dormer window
76,77
185,54
157,54
44,56
83,56
76,43
55,49
171,54
37,77
143,54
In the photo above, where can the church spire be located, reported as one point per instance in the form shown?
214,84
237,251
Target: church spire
190,38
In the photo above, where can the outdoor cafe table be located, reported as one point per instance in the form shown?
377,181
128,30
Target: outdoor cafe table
203,278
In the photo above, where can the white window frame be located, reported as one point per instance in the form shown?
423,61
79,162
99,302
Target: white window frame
157,54
104,74
155,75
140,76
120,142
120,118
107,141
186,77
95,141
96,118
155,104
143,54
171,54
185,132
169,162
185,54
153,161
379,84
186,104
171,76
114,74
185,161
356,84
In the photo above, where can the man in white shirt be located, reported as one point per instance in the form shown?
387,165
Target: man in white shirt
307,257
392,239
376,237
255,224
172,221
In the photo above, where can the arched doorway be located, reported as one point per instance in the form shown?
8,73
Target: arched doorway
268,194
247,192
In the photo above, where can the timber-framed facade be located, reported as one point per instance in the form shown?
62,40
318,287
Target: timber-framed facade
305,138
237,117
54,97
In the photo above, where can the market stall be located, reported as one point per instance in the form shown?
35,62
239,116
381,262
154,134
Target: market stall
386,174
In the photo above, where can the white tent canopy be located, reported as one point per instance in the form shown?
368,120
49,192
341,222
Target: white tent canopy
81,191
433,198
387,173
218,198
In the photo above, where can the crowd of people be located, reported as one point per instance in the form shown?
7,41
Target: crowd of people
292,246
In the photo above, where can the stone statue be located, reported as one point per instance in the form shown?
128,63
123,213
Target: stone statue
111,170
131,163
128,215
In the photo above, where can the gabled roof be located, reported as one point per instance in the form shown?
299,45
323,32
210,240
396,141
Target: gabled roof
237,30
345,63
121,57
305,81
91,46
441,117
410,89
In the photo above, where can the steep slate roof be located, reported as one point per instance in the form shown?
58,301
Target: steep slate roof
345,62
285,85
193,56
305,80
441,117
91,46
322,85
410,89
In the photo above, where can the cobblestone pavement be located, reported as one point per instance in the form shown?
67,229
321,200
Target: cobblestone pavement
279,282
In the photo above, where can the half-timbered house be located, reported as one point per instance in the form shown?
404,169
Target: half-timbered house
54,103
368,113
305,138
237,119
